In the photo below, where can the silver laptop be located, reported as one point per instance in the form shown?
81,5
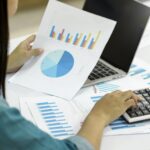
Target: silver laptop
120,50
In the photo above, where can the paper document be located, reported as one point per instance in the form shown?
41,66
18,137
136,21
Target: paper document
62,119
141,70
25,112
138,78
87,97
73,41
57,117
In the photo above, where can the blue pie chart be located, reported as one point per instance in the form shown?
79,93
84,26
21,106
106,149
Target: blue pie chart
57,64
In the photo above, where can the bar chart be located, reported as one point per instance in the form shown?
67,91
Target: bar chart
142,72
96,98
107,87
146,76
137,71
82,40
121,123
55,120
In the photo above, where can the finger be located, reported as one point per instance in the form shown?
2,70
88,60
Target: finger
128,95
136,97
30,39
130,103
36,52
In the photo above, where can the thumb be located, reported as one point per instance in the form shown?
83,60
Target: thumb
30,39
36,52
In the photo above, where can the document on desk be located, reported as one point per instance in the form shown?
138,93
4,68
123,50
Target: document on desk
58,117
25,112
138,78
87,98
141,70
73,41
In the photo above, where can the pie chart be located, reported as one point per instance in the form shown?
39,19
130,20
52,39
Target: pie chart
57,64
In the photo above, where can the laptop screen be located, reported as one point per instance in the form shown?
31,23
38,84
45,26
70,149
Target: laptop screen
132,18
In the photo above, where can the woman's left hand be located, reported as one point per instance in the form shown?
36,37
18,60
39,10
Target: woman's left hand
22,54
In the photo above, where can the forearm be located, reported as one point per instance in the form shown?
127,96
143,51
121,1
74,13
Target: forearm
92,130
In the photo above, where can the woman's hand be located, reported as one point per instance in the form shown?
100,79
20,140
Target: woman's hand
108,109
22,54
113,105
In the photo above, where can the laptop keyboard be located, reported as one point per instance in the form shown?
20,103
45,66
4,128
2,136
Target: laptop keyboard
143,107
101,71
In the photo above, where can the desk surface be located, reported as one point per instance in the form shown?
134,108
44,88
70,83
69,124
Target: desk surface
126,142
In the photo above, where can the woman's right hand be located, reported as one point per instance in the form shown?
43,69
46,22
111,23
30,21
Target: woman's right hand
108,109
113,105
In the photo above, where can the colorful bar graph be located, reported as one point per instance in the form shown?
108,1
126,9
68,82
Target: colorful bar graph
61,35
83,41
79,39
55,120
53,33
93,42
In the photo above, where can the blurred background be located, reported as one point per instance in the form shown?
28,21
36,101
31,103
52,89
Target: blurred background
29,15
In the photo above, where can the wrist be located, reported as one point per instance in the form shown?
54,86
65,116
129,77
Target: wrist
92,129
100,117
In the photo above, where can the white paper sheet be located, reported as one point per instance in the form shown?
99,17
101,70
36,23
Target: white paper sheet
25,111
69,56
57,117
141,70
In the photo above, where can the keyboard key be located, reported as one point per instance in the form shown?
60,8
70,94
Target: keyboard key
142,108
132,115
140,105
142,91
141,97
100,71
145,95
148,107
91,78
147,90
136,92
139,113
145,112
94,76
145,102
147,98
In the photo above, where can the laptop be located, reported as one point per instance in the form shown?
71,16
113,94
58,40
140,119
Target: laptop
117,57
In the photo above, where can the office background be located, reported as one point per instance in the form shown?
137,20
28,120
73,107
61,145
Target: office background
28,17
